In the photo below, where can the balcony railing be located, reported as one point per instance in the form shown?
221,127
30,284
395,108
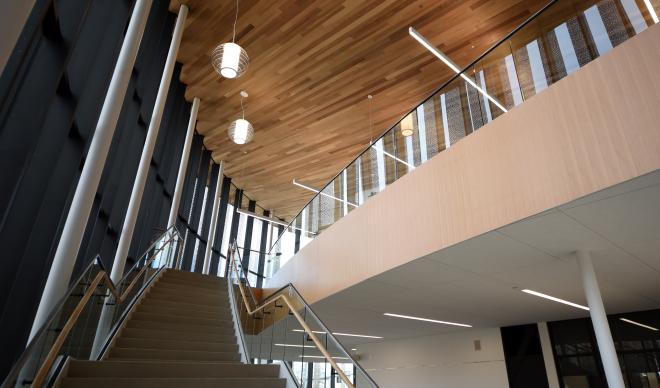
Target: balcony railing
558,40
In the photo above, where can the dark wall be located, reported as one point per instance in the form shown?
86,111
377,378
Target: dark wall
524,359
51,94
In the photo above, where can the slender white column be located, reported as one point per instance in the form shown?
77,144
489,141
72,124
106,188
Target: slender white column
548,355
214,220
183,165
148,150
81,205
599,321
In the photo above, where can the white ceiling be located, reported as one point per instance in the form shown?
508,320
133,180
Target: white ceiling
478,282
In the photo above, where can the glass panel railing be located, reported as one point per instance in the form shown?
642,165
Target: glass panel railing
284,329
87,317
553,43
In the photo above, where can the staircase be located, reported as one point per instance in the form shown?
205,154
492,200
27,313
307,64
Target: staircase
181,334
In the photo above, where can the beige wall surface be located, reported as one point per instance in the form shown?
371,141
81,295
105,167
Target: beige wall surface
446,360
598,127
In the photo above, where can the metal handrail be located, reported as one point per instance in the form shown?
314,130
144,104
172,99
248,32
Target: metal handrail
280,294
102,276
442,86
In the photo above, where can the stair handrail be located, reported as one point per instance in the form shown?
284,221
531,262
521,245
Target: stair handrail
280,294
101,277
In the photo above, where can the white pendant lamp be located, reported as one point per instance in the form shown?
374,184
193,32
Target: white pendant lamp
407,125
241,131
229,59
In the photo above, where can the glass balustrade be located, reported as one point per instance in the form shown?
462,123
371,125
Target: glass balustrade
563,37
283,329
81,325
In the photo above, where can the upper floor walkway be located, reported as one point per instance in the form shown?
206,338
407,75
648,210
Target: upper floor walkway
595,127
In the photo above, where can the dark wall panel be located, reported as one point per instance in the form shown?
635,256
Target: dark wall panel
51,94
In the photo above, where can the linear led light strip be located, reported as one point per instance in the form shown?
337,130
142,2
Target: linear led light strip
654,16
426,320
393,157
336,358
322,193
552,298
341,334
271,220
638,324
452,66
296,346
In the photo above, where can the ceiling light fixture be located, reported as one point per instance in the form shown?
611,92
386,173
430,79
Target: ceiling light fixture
407,125
452,66
336,358
341,334
296,346
552,298
229,59
426,320
271,220
412,167
241,131
322,193
639,324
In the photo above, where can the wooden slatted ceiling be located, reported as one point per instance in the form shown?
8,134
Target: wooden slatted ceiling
312,64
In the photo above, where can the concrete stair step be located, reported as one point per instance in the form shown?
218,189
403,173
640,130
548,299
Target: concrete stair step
190,289
218,301
204,286
152,333
182,306
162,354
179,326
143,316
168,369
180,312
69,382
194,277
168,344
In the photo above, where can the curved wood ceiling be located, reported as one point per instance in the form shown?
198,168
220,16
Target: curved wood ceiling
312,64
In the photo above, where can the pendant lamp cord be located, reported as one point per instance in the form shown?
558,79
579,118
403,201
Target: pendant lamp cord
371,132
242,110
233,39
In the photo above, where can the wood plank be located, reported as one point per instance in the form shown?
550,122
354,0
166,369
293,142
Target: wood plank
312,65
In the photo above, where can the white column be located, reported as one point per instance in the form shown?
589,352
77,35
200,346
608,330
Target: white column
148,150
214,220
548,355
183,165
81,205
599,321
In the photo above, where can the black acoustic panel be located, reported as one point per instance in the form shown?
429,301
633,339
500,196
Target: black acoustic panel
524,358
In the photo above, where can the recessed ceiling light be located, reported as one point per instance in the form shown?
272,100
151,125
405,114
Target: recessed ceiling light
638,324
426,320
341,334
552,298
